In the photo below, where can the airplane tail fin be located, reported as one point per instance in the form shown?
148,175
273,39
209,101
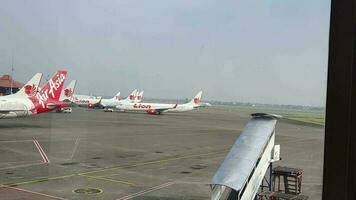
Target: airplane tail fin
132,96
68,92
48,97
117,96
139,97
52,90
135,97
197,99
31,87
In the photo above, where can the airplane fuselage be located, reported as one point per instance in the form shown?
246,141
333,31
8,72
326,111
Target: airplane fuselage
129,106
45,100
11,107
86,101
109,103
183,108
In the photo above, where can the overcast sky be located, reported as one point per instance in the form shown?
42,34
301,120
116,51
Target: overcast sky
271,51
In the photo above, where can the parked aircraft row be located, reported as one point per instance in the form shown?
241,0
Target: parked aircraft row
134,103
158,108
31,99
97,101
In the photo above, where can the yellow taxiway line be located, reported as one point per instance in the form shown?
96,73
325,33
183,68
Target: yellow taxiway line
108,179
85,174
152,162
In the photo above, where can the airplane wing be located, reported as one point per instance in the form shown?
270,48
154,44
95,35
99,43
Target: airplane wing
55,104
158,111
7,111
99,101
13,113
205,105
8,107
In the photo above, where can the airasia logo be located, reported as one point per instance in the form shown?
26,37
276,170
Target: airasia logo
196,100
144,106
68,92
53,86
30,89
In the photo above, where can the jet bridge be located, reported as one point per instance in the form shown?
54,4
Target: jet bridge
241,174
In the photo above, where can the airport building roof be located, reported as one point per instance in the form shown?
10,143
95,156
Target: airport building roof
5,81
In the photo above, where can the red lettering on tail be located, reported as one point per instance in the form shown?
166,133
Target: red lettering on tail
48,98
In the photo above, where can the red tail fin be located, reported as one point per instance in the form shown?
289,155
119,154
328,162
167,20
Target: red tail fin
47,98
51,92
53,88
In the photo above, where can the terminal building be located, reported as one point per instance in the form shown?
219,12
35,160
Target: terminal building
6,83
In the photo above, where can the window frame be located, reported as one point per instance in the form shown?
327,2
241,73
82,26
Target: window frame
340,128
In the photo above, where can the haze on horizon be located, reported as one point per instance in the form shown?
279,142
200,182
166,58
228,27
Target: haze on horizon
269,51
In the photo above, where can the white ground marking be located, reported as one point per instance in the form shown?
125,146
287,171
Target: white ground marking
75,148
146,191
41,151
36,193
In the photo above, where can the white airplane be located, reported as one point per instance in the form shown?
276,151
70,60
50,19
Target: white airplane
29,102
131,97
159,108
68,93
110,103
67,96
139,97
30,88
87,101
203,105
193,104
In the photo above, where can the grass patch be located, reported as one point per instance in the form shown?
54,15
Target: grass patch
305,115
319,120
